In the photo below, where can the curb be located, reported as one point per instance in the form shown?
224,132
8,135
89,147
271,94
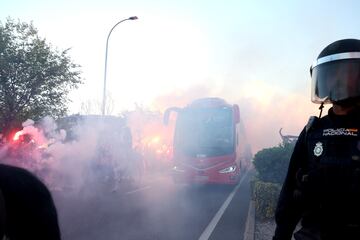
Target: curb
249,233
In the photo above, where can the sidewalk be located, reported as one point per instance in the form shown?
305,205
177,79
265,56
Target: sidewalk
249,233
256,230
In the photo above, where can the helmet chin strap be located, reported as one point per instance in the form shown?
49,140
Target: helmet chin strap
321,108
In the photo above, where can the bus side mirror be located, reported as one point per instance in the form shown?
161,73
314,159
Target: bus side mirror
236,113
167,114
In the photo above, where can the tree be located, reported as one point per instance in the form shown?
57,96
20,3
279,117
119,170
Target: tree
35,78
92,106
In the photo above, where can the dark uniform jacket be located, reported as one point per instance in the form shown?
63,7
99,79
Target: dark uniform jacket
322,186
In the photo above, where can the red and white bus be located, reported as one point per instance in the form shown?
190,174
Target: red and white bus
209,142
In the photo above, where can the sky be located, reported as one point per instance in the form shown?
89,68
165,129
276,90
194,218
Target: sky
253,53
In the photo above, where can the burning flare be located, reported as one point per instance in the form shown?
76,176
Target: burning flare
17,135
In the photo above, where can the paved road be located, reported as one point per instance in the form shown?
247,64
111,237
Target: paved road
157,210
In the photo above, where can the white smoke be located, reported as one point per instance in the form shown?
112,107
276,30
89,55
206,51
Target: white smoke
65,162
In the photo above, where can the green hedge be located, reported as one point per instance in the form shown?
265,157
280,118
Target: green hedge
265,195
271,164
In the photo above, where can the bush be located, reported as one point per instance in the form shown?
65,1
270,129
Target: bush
266,196
272,163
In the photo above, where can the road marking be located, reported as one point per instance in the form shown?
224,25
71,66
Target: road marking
137,190
210,228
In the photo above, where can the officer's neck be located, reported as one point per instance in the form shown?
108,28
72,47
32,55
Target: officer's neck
342,110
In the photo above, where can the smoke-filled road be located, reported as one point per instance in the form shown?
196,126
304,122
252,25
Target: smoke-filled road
157,210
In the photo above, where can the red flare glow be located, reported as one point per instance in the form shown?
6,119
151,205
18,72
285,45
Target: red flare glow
17,135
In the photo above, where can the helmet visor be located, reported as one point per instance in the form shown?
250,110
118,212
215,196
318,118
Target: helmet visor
335,81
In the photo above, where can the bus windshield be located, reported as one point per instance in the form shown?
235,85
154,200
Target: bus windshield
205,132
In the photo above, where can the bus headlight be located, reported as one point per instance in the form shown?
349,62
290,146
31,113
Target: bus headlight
228,169
178,169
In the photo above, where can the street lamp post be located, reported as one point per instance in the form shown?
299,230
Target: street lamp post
106,53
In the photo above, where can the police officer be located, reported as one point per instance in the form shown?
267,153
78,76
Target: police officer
322,186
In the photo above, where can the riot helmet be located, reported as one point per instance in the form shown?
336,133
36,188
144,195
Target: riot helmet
336,73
